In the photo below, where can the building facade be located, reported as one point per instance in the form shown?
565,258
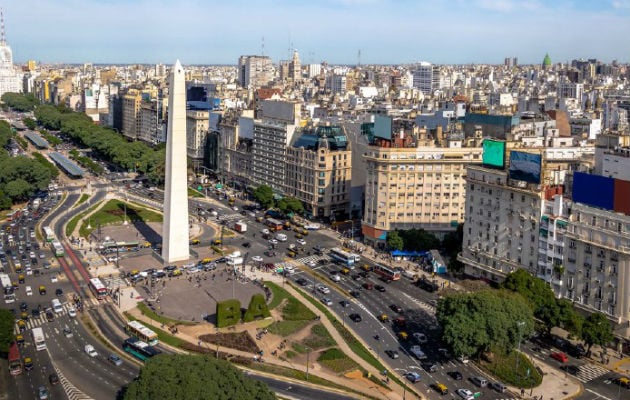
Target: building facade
254,71
131,103
197,123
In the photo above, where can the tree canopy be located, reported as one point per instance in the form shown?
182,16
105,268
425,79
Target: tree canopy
394,241
418,239
7,323
290,204
474,322
264,195
596,330
20,102
194,377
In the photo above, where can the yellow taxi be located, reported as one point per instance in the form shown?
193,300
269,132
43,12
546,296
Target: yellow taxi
383,318
366,267
42,290
194,242
403,335
440,388
291,254
177,272
21,278
19,339
216,242
345,271
28,363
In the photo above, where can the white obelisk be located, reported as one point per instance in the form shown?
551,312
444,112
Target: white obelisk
175,228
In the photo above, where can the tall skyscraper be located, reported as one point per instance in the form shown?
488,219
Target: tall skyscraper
254,71
10,78
175,228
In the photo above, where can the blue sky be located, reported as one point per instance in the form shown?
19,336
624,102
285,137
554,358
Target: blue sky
385,31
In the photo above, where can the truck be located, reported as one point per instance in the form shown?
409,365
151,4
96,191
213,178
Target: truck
235,261
281,237
38,339
7,288
35,204
240,227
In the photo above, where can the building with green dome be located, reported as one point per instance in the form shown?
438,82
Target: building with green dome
546,64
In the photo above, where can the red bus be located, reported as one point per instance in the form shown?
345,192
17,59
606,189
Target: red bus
274,224
15,361
387,273
97,287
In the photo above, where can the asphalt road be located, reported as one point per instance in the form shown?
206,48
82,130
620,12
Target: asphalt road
297,391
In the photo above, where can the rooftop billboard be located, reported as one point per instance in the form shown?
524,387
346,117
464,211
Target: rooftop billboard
383,127
594,190
493,153
525,166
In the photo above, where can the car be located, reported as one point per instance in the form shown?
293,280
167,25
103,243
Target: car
28,363
335,278
463,359
576,350
301,241
327,301
273,241
114,359
499,387
90,350
59,292
246,244
622,381
417,351
560,356
53,379
23,306
323,289
393,354
357,277
368,286
355,293
355,317
53,279
302,282
344,303
420,337
440,388
456,375
35,312
311,264
430,367
67,332
257,259
412,377
380,288
572,369
465,394
396,308
50,316
29,291
72,312
42,393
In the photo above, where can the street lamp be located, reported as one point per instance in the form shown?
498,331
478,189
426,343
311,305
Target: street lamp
308,355
518,352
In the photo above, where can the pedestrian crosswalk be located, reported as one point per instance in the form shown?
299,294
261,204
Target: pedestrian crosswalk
588,372
231,217
312,259
35,321
113,282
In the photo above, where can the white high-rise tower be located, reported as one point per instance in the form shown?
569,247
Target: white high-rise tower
175,228
10,78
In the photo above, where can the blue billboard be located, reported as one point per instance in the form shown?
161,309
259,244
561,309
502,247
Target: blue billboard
525,166
593,190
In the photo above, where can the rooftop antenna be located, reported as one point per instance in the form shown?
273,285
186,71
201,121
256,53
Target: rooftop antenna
2,36
359,58
262,46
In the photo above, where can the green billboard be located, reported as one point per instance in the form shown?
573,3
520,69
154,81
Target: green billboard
493,153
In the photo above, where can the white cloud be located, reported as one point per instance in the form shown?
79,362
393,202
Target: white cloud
621,4
509,5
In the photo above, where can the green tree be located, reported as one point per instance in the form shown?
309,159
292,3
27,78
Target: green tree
30,123
419,239
20,102
7,323
596,330
394,241
472,323
264,195
5,201
290,205
18,189
194,377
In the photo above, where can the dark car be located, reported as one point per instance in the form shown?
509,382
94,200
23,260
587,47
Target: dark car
53,379
456,375
576,350
344,303
380,288
302,282
355,317
23,306
430,367
170,268
396,308
35,312
572,369
59,292
49,315
392,354
246,244
355,293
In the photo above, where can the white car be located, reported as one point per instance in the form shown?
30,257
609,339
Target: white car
257,259
301,241
323,289
90,350
273,241
311,264
235,208
265,231
327,301
417,351
420,337
72,312
53,279
463,359
335,278
465,394
29,291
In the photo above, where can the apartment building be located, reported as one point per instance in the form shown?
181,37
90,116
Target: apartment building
612,155
412,183
235,141
255,71
197,123
272,133
151,122
551,239
319,170
131,102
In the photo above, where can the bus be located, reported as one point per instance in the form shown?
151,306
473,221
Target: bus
97,287
38,338
274,224
386,273
357,258
15,361
49,235
139,349
57,248
7,287
342,257
141,332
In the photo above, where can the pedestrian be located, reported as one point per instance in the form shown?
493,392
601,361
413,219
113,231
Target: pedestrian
522,392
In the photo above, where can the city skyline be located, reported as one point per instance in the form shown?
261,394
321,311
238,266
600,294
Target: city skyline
373,31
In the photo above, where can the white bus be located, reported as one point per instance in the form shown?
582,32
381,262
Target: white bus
97,287
342,257
49,235
7,288
38,338
136,329
57,248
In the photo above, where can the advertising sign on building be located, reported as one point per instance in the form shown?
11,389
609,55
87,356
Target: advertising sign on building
525,166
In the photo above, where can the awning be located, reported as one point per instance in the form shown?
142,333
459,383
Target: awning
545,218
218,186
562,224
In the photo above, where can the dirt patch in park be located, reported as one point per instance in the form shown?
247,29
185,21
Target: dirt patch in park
233,340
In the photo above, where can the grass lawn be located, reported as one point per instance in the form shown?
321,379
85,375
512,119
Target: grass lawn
503,366
337,361
113,212
74,221
278,294
319,338
194,193
290,354
286,328
82,199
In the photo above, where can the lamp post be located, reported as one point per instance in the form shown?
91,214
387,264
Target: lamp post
518,352
308,356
